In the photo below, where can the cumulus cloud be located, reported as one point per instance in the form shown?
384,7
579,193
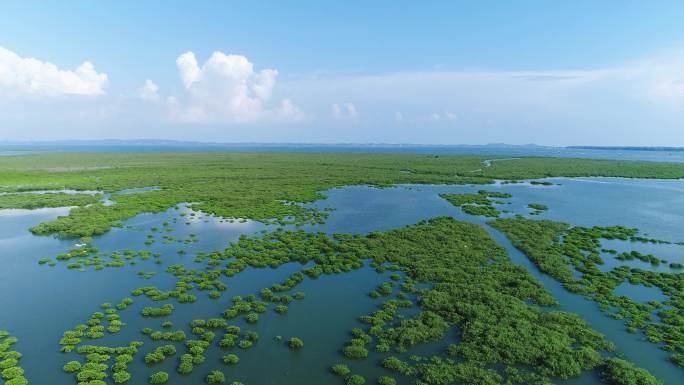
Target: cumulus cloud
226,88
35,77
149,91
344,111
188,69
548,106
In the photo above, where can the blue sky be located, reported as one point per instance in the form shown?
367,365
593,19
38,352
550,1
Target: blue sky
558,73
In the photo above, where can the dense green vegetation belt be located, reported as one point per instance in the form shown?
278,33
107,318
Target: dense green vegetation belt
260,186
561,250
34,201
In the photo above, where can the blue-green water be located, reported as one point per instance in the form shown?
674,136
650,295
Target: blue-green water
40,302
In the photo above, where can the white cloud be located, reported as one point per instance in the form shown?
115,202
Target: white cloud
35,77
446,116
288,111
188,69
344,111
640,102
226,88
149,91
264,82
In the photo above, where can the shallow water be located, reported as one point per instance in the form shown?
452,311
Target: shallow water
640,293
584,202
39,302
672,253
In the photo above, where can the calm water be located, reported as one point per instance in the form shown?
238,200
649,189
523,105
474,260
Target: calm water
39,302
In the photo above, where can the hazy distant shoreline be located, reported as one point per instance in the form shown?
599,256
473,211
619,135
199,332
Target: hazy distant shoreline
654,154
628,148
72,144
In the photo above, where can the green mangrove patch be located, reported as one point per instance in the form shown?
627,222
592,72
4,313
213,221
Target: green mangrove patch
477,204
34,201
263,187
10,371
537,208
563,251
496,320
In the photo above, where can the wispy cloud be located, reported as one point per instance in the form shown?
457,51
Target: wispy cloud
344,111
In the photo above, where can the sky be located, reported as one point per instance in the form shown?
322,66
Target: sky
429,72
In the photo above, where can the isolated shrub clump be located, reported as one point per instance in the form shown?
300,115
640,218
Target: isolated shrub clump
295,343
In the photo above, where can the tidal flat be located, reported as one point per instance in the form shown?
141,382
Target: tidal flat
345,260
